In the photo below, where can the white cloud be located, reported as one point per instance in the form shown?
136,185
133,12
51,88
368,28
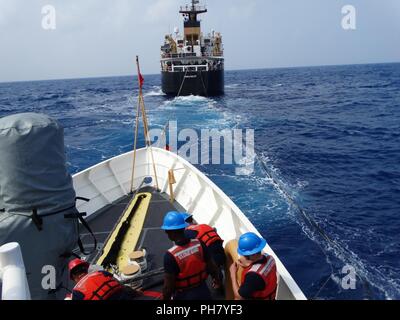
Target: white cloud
162,10
11,13
242,9
7,11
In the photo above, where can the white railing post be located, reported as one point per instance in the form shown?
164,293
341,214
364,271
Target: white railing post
13,274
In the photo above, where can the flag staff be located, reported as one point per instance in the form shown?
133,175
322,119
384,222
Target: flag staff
141,109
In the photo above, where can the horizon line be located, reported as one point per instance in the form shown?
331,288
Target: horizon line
228,70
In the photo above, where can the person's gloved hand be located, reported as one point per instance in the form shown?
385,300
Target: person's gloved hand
216,284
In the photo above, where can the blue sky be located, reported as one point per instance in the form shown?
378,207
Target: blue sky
101,37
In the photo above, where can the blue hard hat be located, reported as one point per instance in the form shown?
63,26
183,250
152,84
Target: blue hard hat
187,216
250,244
174,221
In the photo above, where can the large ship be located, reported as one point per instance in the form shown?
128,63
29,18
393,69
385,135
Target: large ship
192,63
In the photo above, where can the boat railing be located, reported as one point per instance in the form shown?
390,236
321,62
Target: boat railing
191,55
179,55
196,8
194,68
217,54
14,284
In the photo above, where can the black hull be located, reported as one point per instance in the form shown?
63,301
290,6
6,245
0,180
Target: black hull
201,83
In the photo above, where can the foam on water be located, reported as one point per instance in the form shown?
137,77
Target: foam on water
155,92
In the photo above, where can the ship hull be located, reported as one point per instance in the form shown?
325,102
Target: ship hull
201,83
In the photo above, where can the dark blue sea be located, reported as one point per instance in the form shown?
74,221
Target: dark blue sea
326,188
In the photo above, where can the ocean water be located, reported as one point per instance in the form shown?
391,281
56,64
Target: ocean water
325,192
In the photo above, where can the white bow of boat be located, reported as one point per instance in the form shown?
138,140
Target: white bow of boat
109,181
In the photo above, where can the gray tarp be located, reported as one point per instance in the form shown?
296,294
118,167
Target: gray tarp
33,175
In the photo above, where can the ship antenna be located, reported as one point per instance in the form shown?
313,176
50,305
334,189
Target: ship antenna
194,2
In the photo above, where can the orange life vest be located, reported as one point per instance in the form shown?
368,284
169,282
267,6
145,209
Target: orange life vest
206,234
267,271
98,286
191,263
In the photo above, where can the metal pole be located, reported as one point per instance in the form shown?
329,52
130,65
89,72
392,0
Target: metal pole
145,124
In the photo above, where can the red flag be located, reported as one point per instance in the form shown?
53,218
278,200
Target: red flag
141,80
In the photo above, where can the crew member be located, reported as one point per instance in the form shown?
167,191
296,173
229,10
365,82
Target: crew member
259,277
209,236
99,285
187,264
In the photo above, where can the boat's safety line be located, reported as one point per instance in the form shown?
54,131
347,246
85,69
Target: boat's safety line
125,235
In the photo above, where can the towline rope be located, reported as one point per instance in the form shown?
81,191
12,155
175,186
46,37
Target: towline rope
314,225
183,81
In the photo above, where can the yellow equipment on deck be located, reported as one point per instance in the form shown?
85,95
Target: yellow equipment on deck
125,236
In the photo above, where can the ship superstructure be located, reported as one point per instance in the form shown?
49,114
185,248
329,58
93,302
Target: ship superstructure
192,63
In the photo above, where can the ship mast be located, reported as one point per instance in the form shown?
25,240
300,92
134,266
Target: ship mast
192,26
